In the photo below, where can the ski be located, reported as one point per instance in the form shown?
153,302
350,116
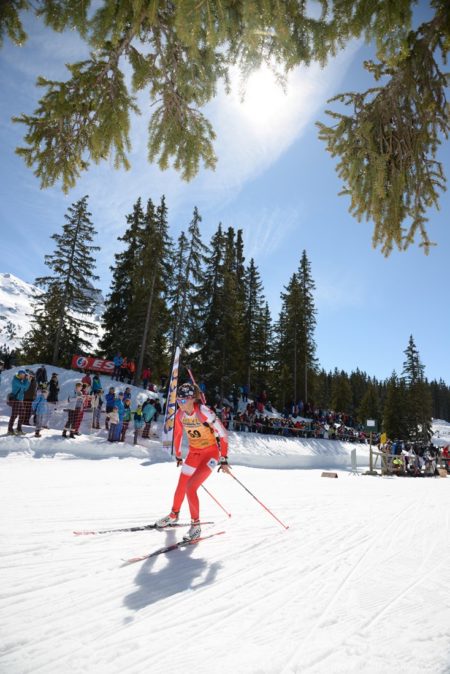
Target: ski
169,548
143,527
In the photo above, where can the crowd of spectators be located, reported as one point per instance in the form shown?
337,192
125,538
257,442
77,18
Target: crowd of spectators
296,420
33,394
399,457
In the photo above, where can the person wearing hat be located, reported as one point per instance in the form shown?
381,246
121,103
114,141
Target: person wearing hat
208,448
40,408
19,386
53,388
148,413
97,404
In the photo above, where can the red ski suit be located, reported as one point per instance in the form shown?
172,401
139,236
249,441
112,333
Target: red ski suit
207,443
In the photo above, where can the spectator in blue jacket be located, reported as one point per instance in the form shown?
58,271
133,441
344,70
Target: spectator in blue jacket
39,407
96,385
19,385
118,402
109,402
148,412
117,360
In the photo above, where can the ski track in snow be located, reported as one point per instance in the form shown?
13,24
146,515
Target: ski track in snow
356,584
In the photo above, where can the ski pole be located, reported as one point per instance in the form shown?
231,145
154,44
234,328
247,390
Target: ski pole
202,395
256,499
214,499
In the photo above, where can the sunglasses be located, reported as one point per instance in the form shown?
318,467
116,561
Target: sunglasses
183,400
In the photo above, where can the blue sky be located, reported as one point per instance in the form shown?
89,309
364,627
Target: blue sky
274,180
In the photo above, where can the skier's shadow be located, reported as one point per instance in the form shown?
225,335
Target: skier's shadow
179,574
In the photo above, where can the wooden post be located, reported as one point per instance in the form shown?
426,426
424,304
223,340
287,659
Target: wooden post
371,470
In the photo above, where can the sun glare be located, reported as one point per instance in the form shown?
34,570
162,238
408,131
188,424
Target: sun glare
264,98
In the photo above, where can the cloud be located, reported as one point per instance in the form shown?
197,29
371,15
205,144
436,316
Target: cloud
337,290
253,133
251,136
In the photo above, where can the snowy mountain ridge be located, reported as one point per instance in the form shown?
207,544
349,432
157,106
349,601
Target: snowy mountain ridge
16,297
16,307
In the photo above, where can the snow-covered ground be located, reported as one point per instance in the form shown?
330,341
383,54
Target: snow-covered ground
357,583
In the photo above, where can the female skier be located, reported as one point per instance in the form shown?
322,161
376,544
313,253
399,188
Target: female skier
208,447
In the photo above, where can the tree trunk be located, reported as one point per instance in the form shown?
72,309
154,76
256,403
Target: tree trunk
146,329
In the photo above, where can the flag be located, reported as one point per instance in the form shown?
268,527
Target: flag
171,405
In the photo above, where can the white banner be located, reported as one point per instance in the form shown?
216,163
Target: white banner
171,405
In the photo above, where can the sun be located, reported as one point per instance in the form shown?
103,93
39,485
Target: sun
264,97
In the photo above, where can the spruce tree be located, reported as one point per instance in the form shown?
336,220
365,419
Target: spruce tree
322,387
210,337
62,323
256,327
395,412
295,331
151,280
232,314
180,51
309,321
115,319
189,262
369,407
419,396
286,330
221,338
341,393
137,317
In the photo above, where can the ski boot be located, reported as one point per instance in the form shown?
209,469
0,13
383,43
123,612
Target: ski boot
194,532
167,521
37,434
64,433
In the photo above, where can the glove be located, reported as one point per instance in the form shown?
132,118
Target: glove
179,461
223,462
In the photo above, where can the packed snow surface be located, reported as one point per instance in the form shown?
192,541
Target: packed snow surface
357,583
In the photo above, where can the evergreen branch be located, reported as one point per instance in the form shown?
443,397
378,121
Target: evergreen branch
10,23
387,149
74,119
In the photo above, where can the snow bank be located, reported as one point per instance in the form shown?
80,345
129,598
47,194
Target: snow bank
246,449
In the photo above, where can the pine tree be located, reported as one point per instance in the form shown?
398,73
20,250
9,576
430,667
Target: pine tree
440,394
323,387
210,337
387,146
221,338
419,396
369,407
395,413
152,278
180,52
295,331
307,287
137,318
115,319
256,327
341,393
61,324
189,262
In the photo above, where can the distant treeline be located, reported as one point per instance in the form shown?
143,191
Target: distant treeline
209,300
